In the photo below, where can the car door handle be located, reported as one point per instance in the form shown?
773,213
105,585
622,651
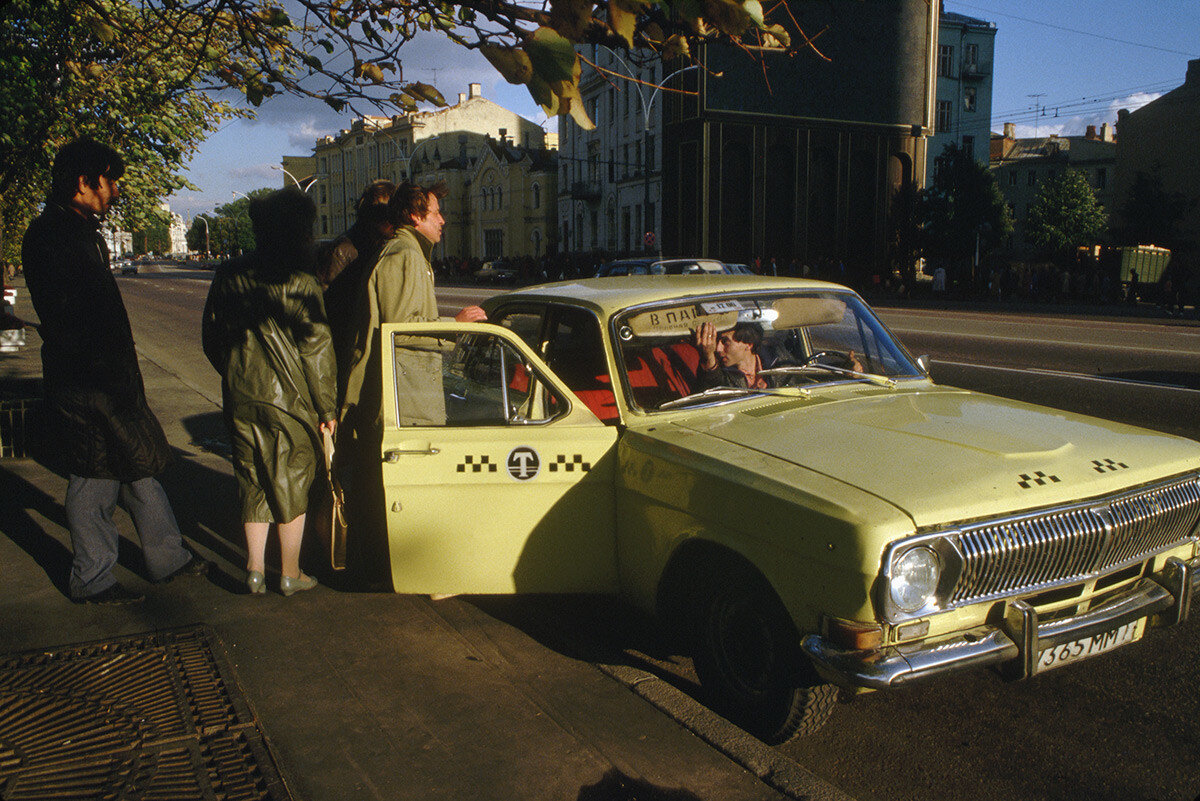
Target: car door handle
393,455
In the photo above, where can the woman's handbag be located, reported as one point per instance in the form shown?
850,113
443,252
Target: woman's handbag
333,519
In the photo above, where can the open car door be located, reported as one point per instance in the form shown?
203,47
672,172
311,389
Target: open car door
497,479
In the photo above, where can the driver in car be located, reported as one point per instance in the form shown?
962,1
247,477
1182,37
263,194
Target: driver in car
732,357
729,358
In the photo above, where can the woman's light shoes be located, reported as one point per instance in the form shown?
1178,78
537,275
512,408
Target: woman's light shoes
256,582
291,586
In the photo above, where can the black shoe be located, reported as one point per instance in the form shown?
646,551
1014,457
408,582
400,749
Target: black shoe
196,566
116,595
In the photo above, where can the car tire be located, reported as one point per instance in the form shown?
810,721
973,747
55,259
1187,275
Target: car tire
747,655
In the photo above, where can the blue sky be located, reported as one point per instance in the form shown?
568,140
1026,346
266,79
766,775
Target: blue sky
1085,60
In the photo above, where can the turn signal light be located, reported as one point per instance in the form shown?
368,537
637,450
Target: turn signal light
853,635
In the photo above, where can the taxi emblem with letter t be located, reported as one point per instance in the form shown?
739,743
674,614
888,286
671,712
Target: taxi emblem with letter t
523,463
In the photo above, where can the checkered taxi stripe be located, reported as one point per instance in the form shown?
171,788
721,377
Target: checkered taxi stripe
1108,465
576,463
1037,479
476,464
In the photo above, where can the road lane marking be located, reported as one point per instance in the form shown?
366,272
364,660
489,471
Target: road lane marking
1026,341
1064,374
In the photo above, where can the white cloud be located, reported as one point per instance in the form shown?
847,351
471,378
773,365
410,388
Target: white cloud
1049,124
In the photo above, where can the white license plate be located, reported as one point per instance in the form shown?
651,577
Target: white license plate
1090,646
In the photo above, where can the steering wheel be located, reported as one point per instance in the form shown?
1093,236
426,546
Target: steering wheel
836,357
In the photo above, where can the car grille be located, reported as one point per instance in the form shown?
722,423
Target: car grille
1040,550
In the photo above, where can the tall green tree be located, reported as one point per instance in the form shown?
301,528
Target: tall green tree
64,74
963,215
1064,215
137,73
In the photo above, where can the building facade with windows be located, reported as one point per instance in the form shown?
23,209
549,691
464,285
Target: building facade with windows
1161,140
513,202
500,199
1022,165
610,178
963,106
804,160
384,147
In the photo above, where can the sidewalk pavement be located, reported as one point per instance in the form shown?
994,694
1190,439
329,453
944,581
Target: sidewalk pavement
375,695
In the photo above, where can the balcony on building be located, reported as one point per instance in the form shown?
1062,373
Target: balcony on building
974,70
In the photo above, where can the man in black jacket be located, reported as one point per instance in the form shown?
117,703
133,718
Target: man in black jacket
109,441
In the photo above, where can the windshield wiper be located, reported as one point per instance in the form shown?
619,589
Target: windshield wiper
879,380
733,392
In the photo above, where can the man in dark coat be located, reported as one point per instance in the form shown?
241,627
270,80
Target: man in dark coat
101,428
344,263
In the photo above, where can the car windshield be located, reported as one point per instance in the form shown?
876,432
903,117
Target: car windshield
725,347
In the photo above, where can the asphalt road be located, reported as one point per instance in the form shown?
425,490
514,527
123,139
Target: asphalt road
1125,726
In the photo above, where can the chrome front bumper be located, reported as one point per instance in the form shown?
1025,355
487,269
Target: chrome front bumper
1165,598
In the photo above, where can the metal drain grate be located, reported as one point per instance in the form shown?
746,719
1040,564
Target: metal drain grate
154,717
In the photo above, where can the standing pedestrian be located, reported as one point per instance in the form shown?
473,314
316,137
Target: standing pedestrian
399,289
342,267
103,429
264,331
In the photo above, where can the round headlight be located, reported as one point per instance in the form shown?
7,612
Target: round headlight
914,578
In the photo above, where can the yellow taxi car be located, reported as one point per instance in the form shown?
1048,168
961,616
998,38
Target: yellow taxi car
830,519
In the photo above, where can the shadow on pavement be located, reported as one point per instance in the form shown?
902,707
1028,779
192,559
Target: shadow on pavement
597,629
16,521
616,786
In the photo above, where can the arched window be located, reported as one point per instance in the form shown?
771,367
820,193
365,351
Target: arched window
537,196
499,197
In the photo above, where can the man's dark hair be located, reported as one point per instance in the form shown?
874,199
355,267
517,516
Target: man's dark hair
750,334
283,229
411,201
377,193
83,157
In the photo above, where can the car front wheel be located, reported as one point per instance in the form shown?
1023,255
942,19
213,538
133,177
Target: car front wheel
747,656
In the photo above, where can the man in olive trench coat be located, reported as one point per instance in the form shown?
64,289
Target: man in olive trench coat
399,289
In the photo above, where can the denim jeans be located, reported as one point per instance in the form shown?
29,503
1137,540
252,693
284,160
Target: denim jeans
90,505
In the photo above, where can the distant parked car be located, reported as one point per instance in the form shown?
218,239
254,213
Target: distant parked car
495,272
664,267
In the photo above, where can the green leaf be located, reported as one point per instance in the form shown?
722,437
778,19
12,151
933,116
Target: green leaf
553,57
780,34
622,20
311,61
404,102
334,103
511,62
423,91
102,30
571,17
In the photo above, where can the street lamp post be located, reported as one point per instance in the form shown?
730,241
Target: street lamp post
647,106
237,227
302,188
204,220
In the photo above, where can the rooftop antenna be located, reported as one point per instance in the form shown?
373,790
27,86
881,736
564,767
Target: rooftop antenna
1037,110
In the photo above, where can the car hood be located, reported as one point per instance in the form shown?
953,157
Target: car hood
944,455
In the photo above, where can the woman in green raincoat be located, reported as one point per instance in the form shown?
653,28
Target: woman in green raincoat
264,329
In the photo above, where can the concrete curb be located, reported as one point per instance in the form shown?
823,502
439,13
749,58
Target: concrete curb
768,764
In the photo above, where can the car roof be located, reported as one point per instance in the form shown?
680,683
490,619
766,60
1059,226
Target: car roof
606,296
